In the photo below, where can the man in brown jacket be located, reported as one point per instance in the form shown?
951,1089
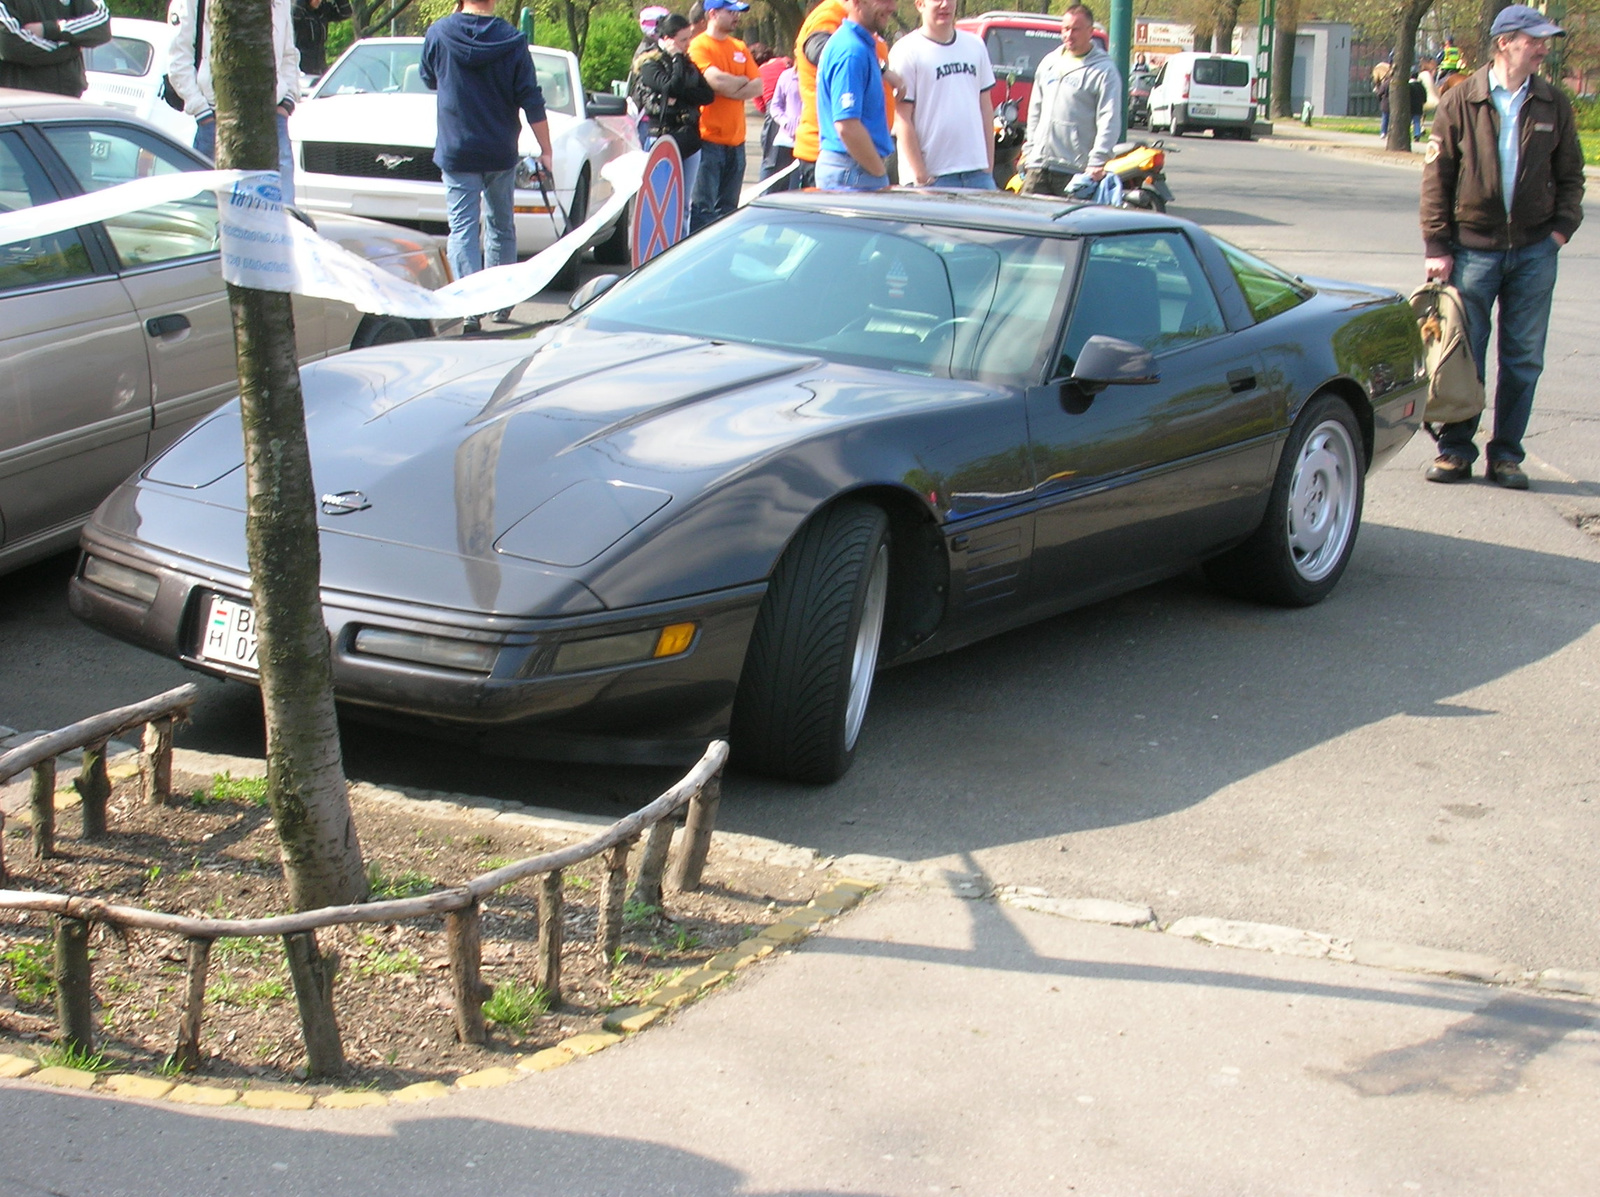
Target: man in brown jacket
1502,192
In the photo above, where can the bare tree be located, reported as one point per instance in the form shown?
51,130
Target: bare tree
372,15
305,776
1405,51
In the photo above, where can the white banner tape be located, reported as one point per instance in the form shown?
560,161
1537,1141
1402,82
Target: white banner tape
264,247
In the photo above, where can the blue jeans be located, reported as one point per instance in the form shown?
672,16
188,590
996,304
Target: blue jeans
841,172
1523,281
980,180
205,141
462,192
716,190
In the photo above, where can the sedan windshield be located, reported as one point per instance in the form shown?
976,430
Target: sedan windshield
383,67
920,299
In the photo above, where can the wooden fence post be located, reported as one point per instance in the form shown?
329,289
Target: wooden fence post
155,762
613,897
464,934
42,807
74,985
657,845
697,836
4,875
313,975
547,974
94,787
187,1054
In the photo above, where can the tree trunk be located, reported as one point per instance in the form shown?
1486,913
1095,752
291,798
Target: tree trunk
305,775
94,790
187,1056
1227,22
74,989
1405,50
1283,57
42,806
1487,12
577,32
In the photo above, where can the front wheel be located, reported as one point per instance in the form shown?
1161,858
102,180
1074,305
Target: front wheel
1297,555
808,672
382,330
615,250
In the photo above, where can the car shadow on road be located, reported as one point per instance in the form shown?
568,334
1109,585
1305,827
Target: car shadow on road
1152,702
76,1143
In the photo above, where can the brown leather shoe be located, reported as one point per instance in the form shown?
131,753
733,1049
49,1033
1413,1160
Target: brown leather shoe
1449,468
1507,474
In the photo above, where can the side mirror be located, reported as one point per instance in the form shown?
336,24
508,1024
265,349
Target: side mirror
1106,361
592,290
599,103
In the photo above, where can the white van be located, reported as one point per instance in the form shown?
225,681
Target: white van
1204,91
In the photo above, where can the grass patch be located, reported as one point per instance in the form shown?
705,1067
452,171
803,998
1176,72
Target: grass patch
231,947
638,914
1589,139
29,972
408,883
67,1055
515,1005
227,990
252,791
385,964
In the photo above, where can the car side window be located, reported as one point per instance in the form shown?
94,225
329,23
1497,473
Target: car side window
104,156
1147,288
36,261
1267,290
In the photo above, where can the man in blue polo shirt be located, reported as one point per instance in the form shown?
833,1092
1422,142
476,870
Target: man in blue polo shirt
852,118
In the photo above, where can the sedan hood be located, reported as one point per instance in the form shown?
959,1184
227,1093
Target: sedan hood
493,452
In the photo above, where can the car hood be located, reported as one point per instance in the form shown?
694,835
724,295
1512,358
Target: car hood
495,454
399,118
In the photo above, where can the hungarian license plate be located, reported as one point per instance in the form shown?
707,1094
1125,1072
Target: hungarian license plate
228,633
1203,109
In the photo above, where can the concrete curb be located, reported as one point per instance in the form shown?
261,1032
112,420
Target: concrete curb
1293,941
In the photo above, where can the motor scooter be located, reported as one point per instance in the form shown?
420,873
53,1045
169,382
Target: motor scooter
1009,133
1140,165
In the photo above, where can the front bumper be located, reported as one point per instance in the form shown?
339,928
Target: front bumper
681,699
422,205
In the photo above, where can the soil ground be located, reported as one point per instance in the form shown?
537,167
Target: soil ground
214,853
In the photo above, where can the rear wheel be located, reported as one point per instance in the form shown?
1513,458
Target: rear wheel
382,330
809,669
1297,555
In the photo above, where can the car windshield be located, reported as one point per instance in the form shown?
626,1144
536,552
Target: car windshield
1016,52
919,299
385,67
120,56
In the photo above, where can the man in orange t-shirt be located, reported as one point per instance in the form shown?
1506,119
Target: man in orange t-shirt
815,30
726,63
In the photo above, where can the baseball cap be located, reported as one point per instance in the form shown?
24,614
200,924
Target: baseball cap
733,5
1519,18
648,17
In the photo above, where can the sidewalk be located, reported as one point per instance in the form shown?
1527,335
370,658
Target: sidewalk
931,1043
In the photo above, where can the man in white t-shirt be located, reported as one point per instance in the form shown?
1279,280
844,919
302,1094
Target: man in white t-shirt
944,121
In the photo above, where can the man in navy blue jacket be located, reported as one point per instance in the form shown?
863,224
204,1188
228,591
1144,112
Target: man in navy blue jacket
481,69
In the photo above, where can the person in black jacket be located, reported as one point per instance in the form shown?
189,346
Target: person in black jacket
670,91
479,65
311,21
41,43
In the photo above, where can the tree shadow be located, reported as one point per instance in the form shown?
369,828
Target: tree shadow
104,1146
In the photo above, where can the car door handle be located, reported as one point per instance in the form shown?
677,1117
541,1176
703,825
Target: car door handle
1241,380
165,326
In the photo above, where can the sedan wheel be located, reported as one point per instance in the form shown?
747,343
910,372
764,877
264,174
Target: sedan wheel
1300,550
808,672
382,330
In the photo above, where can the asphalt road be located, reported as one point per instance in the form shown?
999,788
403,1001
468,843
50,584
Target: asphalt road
1412,760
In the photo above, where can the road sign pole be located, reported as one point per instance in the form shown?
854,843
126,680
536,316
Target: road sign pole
1266,51
1121,47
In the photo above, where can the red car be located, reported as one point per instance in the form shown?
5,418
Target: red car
1016,41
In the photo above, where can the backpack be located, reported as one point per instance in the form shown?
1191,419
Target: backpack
650,103
1455,392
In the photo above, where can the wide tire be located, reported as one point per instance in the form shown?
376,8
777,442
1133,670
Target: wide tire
808,672
615,250
1297,555
382,330
567,278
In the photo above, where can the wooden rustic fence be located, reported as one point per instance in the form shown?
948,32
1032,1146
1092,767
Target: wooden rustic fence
312,973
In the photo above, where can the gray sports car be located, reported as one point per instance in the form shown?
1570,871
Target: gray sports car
830,433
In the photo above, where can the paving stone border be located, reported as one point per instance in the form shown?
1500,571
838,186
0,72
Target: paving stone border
621,1023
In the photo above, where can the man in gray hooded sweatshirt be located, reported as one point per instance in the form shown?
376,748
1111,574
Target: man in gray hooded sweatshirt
1075,112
